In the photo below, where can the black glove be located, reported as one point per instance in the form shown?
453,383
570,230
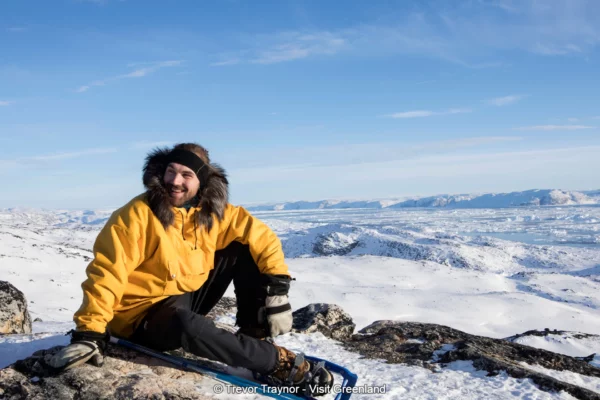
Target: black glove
85,346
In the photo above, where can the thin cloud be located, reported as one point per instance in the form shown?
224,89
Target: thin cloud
296,46
505,5
423,165
16,29
137,73
428,113
505,100
412,114
143,145
232,61
360,153
6,164
6,103
554,128
69,155
286,46
473,39
99,2
44,158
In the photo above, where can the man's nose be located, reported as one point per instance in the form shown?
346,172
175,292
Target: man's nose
176,180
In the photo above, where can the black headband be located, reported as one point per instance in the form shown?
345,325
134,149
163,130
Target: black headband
192,161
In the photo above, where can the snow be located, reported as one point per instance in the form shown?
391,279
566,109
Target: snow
573,378
574,344
535,197
496,272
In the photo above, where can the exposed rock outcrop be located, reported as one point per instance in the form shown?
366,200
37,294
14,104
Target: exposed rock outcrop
432,346
125,374
14,317
130,375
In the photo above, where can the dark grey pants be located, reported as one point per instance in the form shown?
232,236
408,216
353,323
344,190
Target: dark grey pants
179,321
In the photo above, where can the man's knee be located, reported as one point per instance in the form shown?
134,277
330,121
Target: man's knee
190,324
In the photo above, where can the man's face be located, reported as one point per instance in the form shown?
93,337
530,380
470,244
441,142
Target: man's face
181,182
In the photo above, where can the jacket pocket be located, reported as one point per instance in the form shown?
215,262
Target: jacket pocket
186,274
187,265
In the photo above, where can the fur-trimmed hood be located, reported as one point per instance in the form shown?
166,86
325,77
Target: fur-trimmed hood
212,200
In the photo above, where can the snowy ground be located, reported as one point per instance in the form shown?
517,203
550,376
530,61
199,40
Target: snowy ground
492,272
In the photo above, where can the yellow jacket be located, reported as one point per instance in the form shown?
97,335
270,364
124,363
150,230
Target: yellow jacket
137,262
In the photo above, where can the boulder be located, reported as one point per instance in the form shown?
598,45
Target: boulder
329,319
14,317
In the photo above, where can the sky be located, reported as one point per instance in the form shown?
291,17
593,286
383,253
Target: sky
299,100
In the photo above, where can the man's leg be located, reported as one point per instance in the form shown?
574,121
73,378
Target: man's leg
235,263
179,321
172,324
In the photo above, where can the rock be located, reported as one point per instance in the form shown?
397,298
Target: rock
547,332
125,374
329,319
14,317
38,319
225,307
331,244
432,346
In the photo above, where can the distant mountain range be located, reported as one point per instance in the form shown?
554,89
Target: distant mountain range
536,197
548,197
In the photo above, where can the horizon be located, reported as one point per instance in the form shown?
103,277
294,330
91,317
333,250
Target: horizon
299,100
281,202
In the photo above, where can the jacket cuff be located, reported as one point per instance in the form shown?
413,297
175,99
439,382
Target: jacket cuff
275,285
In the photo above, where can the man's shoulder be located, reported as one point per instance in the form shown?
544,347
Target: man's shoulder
139,202
235,208
136,210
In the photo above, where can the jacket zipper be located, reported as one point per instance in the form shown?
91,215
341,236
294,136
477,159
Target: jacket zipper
182,225
183,230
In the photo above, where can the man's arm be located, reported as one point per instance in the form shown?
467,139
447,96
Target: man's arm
267,252
265,247
117,253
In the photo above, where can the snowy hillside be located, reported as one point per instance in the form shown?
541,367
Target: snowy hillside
593,194
491,200
491,272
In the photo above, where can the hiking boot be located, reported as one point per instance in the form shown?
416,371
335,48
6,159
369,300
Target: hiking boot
307,378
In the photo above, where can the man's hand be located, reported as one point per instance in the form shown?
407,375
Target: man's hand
279,314
85,346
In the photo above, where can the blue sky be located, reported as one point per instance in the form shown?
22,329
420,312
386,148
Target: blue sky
299,100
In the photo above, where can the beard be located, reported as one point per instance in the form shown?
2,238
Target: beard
178,195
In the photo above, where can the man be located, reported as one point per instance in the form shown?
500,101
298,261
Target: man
165,259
